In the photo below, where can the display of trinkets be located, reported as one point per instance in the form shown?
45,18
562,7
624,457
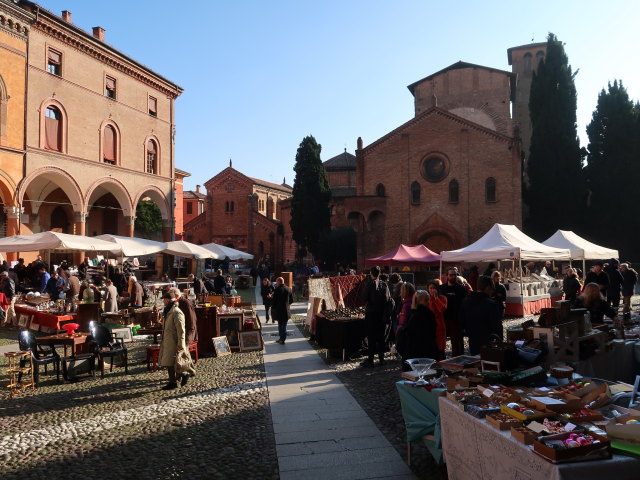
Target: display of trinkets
502,421
584,415
482,410
571,446
521,411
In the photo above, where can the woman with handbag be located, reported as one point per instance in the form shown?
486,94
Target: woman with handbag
173,349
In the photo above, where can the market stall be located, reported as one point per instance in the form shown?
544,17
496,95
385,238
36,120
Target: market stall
508,243
581,249
405,255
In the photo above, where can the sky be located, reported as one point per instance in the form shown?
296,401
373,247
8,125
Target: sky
259,76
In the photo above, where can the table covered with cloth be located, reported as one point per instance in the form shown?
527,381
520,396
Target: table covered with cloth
43,318
421,414
621,362
473,449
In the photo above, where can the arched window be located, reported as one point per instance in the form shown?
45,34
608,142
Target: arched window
454,191
53,129
415,193
260,247
490,190
539,57
380,190
109,145
527,62
152,157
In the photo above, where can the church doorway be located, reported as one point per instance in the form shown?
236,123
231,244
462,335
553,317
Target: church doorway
437,241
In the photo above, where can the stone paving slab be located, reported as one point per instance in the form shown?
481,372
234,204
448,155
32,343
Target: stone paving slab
320,429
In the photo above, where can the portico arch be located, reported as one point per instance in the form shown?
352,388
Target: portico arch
110,208
158,197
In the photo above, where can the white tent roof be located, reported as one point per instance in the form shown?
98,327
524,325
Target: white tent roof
56,241
505,242
223,251
132,246
181,248
581,249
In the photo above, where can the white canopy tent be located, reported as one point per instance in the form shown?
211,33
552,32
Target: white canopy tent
505,242
180,248
223,251
56,241
132,246
581,249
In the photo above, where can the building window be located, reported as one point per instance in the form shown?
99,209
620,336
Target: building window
153,106
490,190
539,57
453,191
527,62
260,247
380,190
229,207
415,193
434,168
54,62
109,145
110,87
152,157
53,129
189,208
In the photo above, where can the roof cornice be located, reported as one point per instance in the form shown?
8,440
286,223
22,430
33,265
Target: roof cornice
14,20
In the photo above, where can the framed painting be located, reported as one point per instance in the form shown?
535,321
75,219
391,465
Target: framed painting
124,333
230,326
24,320
221,346
250,341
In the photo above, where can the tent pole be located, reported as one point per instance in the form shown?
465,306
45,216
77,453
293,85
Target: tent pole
584,269
440,268
521,289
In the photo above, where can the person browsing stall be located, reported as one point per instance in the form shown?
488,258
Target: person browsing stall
376,296
455,294
438,305
480,315
417,339
173,339
281,308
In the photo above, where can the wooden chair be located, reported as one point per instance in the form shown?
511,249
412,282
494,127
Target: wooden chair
87,312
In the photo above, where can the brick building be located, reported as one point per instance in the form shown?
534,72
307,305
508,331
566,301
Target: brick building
442,178
99,130
240,212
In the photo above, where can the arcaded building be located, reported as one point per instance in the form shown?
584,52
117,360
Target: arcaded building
444,177
99,133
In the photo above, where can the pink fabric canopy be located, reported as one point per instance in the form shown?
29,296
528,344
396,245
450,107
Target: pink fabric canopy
416,256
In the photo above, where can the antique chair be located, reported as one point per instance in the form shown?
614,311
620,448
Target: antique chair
87,313
40,356
106,345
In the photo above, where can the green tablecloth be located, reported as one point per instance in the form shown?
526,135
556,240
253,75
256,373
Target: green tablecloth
421,414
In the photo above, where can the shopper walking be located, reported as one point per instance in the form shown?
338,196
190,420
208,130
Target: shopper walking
281,308
376,296
266,292
173,340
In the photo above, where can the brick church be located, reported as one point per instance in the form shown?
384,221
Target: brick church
444,177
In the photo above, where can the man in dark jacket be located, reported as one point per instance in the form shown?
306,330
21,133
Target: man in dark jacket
480,315
499,293
615,284
630,278
376,296
280,308
219,283
597,275
455,294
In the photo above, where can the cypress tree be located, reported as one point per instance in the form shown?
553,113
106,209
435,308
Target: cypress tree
310,214
556,193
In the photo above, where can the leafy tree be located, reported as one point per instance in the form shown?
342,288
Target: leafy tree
556,193
148,220
310,214
613,170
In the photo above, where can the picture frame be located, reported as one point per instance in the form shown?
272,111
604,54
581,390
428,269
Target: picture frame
250,341
230,325
33,326
124,333
24,320
221,346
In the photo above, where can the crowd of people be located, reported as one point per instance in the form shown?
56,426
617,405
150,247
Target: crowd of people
419,322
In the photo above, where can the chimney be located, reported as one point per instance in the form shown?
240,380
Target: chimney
197,188
66,16
98,32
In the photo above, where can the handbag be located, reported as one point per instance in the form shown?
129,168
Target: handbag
184,363
499,351
529,354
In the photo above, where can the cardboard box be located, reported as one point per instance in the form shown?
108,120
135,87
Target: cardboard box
564,403
598,397
521,416
502,421
584,415
578,387
587,452
523,435
466,397
617,429
481,410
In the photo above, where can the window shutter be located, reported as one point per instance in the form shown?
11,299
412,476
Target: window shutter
52,134
55,57
151,147
153,105
109,144
111,83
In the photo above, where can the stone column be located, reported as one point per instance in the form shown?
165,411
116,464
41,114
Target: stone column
13,226
167,230
79,227
130,223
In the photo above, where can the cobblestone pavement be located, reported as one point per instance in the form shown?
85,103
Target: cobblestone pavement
124,426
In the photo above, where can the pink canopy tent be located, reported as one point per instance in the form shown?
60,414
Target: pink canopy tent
414,256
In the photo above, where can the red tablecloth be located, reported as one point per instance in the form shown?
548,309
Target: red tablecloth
43,318
4,302
531,307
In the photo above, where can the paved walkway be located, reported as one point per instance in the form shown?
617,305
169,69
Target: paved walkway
321,431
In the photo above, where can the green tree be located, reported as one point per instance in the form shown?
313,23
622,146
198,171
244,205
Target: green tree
613,170
310,214
148,220
556,193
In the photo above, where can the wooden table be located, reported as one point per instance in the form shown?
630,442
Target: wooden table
77,342
44,319
155,331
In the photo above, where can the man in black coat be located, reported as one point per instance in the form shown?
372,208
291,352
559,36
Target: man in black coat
219,283
280,308
376,297
499,293
615,284
597,275
630,277
480,315
455,294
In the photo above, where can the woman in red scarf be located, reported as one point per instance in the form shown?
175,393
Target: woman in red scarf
438,304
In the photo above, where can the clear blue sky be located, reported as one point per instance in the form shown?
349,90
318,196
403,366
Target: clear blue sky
260,75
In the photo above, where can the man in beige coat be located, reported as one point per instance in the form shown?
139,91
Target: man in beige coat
173,338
